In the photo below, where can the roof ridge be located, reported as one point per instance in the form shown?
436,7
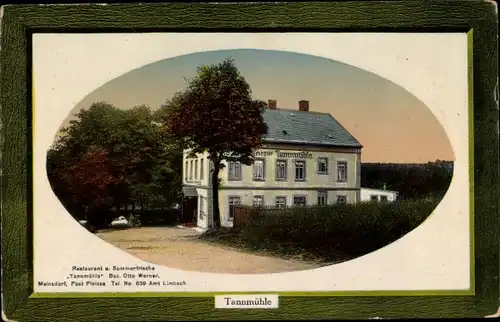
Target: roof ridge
295,110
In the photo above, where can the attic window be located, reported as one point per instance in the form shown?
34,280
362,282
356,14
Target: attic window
285,132
330,136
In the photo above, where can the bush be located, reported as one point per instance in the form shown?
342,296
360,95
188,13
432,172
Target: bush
330,233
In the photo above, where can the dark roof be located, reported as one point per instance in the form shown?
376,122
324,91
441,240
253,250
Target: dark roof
299,127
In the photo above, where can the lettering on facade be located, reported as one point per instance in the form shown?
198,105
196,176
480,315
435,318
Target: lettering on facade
284,155
296,155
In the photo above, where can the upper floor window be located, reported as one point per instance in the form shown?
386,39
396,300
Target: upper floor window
186,168
322,165
258,200
202,169
341,199
299,200
259,169
196,169
234,171
280,202
191,170
322,198
300,170
342,171
281,167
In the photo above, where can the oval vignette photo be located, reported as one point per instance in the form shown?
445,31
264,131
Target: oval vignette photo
250,161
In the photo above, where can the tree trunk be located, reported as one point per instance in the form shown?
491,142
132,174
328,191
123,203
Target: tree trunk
215,196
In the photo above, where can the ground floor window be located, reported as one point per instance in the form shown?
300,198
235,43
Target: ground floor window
203,203
299,200
341,199
258,200
280,202
383,199
374,198
233,201
322,198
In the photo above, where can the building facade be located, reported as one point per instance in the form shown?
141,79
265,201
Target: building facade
307,158
378,195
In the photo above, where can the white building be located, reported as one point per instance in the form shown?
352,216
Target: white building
379,195
308,158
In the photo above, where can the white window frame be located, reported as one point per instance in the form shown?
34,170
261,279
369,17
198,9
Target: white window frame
341,196
279,204
285,169
374,198
191,170
299,196
232,173
203,203
384,198
262,176
323,194
202,169
196,169
258,197
320,161
304,162
230,202
339,167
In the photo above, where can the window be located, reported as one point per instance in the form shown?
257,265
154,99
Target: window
341,199
322,165
280,202
233,201
300,170
373,198
259,169
281,167
299,200
191,170
342,171
196,169
383,198
202,207
258,201
322,198
202,168
234,171
186,168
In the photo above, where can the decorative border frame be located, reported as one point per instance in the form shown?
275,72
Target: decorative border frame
477,18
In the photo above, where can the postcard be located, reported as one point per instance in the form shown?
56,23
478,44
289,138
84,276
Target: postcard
245,163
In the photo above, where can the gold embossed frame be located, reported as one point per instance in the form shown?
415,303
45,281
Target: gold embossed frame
20,22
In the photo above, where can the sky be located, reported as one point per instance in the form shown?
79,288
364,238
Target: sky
390,123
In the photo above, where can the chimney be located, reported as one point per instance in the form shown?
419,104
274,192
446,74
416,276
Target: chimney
304,106
272,104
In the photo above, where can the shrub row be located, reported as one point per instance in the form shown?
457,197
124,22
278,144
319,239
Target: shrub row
334,232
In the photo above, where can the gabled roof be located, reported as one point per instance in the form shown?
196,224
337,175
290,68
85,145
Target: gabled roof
301,127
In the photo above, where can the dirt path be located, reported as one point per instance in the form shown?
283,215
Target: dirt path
180,248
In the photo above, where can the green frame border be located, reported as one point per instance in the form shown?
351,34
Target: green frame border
477,18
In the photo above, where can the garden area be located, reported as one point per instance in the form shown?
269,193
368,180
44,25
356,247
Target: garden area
328,234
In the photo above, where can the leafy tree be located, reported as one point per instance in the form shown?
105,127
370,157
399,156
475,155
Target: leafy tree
128,158
217,114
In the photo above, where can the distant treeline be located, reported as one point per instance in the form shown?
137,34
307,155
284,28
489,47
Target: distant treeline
411,180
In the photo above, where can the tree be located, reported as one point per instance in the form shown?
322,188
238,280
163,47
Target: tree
127,156
217,114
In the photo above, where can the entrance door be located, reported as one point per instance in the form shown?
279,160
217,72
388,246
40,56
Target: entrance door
190,210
